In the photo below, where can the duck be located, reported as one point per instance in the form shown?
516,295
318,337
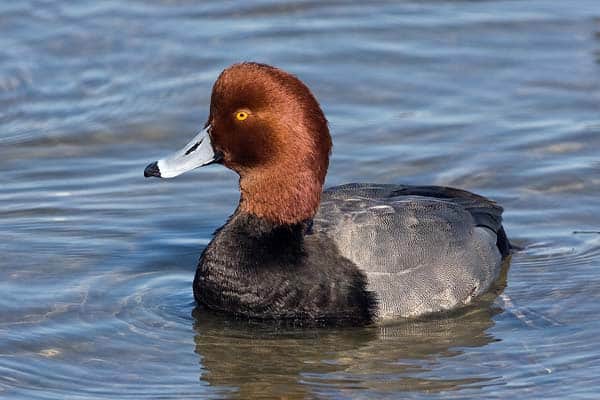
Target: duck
354,254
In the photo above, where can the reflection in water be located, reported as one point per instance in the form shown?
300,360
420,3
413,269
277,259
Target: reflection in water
294,363
254,360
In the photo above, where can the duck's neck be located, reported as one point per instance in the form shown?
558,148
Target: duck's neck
282,198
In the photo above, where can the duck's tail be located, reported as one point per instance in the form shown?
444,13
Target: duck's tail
505,246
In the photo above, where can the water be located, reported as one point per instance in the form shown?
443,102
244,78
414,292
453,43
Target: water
96,263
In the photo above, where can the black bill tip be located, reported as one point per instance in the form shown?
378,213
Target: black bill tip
152,170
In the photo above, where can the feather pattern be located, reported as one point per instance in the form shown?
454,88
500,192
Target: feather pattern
423,249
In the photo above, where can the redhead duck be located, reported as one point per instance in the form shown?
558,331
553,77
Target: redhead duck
352,254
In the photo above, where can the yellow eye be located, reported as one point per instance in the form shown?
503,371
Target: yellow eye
241,115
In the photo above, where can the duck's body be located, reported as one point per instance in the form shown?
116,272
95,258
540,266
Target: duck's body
372,252
353,254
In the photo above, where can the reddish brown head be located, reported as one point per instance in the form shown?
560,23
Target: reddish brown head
266,125
270,129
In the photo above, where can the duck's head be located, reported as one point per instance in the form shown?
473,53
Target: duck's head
266,125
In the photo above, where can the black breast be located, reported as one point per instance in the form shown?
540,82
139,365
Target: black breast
255,269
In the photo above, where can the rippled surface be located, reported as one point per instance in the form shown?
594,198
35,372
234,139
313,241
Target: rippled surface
96,263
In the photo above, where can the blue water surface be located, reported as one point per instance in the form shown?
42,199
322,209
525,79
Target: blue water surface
96,263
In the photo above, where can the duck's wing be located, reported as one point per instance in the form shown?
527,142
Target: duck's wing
423,248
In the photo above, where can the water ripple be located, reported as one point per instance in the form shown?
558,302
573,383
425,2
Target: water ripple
96,264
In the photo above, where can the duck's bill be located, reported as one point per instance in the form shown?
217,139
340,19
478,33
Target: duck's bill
197,153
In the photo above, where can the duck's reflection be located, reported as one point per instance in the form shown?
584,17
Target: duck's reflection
261,361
